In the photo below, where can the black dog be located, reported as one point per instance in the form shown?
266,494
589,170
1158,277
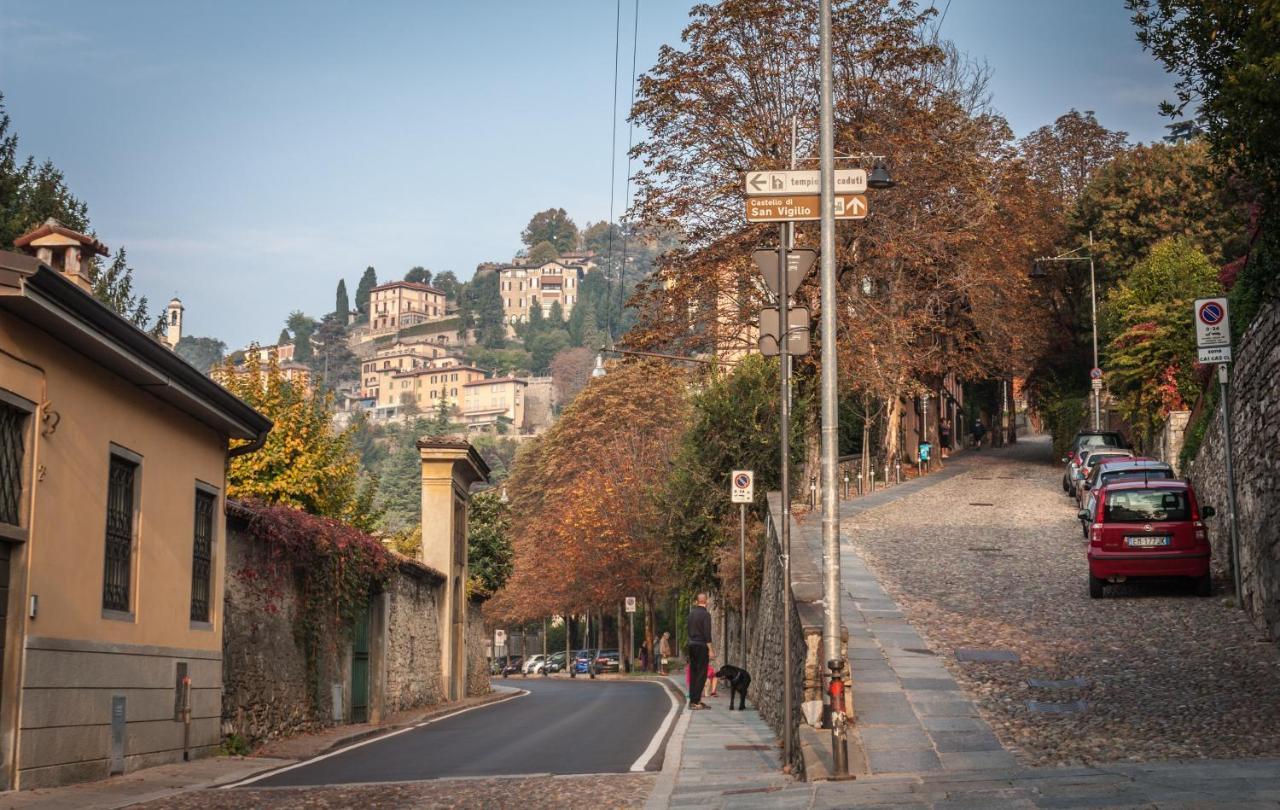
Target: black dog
737,679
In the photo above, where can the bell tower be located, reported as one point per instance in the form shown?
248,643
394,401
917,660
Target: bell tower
173,323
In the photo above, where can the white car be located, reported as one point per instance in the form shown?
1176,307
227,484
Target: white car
534,664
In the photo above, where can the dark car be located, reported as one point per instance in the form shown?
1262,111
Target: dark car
554,663
582,660
1115,467
1147,529
608,661
1083,440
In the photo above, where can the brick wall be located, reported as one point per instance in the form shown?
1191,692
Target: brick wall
1255,416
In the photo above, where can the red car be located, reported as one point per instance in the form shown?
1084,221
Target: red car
1147,529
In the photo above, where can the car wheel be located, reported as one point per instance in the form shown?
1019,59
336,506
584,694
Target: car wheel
1204,585
1095,587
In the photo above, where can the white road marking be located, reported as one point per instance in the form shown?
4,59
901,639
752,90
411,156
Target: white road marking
638,765
518,693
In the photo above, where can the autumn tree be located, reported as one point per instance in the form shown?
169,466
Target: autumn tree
553,226
542,253
570,372
304,463
1062,157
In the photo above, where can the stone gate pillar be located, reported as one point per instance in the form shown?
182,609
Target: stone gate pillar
450,465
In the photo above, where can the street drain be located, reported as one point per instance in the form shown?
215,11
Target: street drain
986,656
1046,707
985,548
980,503
748,747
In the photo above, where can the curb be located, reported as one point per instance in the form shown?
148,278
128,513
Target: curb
492,697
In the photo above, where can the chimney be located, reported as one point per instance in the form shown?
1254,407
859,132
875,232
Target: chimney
173,324
69,252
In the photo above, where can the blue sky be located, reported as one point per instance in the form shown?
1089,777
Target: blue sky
248,154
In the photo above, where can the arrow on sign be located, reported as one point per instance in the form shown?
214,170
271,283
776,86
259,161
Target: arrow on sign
757,182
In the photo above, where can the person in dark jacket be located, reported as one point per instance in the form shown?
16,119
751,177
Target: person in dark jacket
699,626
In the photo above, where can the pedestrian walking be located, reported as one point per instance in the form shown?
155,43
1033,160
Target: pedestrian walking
979,430
644,658
944,438
700,651
664,653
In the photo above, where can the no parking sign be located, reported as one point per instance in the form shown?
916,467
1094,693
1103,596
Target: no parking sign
742,488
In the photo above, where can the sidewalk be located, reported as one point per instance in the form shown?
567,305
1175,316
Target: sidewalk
167,781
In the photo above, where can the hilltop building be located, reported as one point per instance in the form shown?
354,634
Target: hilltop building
401,304
525,286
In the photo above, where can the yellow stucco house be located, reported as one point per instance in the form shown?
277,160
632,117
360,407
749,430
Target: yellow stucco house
113,457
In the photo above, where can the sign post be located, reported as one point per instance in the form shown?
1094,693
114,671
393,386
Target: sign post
742,492
1213,345
630,603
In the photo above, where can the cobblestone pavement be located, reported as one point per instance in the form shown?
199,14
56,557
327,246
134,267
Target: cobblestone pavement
610,791
993,559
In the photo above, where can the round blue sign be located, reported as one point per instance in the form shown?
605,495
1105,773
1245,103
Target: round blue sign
1211,312
742,481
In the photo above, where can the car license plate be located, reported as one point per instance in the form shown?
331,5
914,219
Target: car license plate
1147,541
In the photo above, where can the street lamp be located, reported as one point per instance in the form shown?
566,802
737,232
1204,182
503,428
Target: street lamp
879,178
1038,271
598,371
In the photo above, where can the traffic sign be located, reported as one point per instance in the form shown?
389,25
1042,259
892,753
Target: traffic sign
631,604
1214,354
1096,383
797,334
1095,373
1213,323
499,638
807,181
742,487
799,263
803,208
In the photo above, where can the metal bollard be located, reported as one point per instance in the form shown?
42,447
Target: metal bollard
859,483
839,733
871,481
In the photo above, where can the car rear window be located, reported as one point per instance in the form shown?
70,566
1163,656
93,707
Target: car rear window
1100,440
1135,475
1143,505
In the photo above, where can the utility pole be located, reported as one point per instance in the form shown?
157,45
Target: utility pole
1093,305
784,417
830,391
1225,389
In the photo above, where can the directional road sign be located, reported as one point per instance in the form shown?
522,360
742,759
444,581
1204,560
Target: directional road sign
799,263
848,181
797,335
742,487
1213,323
803,207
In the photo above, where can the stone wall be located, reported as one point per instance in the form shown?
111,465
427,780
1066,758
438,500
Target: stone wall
1255,417
764,656
477,662
413,639
1167,445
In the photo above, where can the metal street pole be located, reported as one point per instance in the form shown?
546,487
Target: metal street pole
830,426
784,418
1225,390
742,562
1093,304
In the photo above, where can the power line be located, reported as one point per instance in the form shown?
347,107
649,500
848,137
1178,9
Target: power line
622,269
613,160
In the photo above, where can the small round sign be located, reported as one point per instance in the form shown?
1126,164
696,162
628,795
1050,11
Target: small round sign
742,481
1095,374
1211,312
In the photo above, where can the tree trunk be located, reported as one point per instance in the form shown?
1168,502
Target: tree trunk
893,421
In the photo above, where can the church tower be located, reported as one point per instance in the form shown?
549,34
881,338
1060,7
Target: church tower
173,324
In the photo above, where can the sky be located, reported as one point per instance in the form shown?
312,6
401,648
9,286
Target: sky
248,155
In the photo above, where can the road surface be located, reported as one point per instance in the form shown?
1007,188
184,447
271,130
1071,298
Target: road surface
560,727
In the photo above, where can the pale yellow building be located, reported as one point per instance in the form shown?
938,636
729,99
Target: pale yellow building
523,287
401,304
393,359
113,457
490,402
426,388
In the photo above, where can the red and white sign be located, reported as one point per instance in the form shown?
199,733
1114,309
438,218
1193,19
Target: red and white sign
742,488
1213,323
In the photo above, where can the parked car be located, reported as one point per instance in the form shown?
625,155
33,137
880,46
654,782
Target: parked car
582,660
1147,529
554,663
511,666
1122,468
1089,457
608,661
1088,439
533,665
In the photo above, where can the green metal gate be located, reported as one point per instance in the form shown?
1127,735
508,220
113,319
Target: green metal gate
360,667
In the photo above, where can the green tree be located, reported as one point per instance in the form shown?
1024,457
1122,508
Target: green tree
552,225
1151,355
332,361
542,253
447,282
399,498
302,327
556,316
113,286
544,346
419,275
342,304
284,337
303,463
367,282
490,557
202,352
32,192
484,299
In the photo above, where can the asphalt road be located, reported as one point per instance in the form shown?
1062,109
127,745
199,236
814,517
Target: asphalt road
560,727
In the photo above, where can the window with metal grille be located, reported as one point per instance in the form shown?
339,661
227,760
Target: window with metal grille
202,558
120,507
12,425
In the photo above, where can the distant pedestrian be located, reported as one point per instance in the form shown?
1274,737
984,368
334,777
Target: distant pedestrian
944,438
979,430
700,651
664,653
644,658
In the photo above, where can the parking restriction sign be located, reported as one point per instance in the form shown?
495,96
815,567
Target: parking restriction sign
742,488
